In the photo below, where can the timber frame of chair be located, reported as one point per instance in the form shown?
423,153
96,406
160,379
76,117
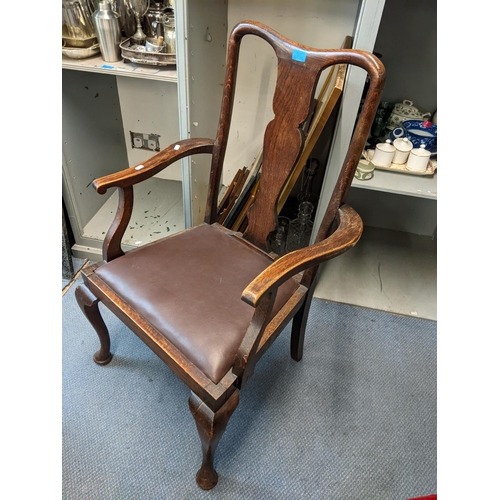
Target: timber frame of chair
268,292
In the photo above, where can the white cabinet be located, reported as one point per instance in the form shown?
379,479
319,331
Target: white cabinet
108,106
407,41
404,32
393,267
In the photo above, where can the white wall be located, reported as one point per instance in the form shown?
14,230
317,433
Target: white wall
150,107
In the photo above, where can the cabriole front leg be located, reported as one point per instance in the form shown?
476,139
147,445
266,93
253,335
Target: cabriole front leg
89,305
210,427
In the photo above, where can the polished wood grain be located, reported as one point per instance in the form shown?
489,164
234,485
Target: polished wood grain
89,305
212,403
345,237
154,165
211,425
327,100
124,180
283,138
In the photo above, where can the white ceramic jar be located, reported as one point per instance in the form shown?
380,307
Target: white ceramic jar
384,153
403,147
418,159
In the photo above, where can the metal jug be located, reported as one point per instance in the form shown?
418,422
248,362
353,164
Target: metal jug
153,25
77,25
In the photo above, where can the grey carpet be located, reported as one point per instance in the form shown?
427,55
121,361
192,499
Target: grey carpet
355,419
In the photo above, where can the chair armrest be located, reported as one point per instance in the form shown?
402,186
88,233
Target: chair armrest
153,165
261,292
345,237
125,180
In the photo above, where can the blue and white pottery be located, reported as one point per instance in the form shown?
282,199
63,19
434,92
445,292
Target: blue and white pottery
418,132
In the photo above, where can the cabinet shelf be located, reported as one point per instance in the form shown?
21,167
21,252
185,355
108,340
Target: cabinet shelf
97,65
387,270
399,183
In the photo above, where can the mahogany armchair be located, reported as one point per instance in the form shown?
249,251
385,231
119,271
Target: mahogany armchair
209,301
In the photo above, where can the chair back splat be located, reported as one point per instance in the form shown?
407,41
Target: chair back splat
299,69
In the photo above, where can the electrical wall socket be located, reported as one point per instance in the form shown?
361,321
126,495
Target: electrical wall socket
149,142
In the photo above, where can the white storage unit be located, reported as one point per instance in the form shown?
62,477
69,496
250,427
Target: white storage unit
394,265
184,102
410,60
104,103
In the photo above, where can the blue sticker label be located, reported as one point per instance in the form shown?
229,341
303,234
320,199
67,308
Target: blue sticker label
107,66
299,55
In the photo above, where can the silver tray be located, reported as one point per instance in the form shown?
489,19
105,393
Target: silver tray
149,58
80,52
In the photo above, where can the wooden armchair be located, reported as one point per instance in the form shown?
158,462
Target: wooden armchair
208,301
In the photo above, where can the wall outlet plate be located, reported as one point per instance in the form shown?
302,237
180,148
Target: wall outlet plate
149,142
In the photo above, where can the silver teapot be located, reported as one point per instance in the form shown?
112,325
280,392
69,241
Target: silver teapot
153,25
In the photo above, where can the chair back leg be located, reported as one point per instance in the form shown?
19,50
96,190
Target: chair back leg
299,322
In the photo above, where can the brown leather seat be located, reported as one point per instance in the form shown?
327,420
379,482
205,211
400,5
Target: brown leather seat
203,315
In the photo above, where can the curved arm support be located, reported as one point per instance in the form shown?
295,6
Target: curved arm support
125,180
245,359
154,165
345,237
111,247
